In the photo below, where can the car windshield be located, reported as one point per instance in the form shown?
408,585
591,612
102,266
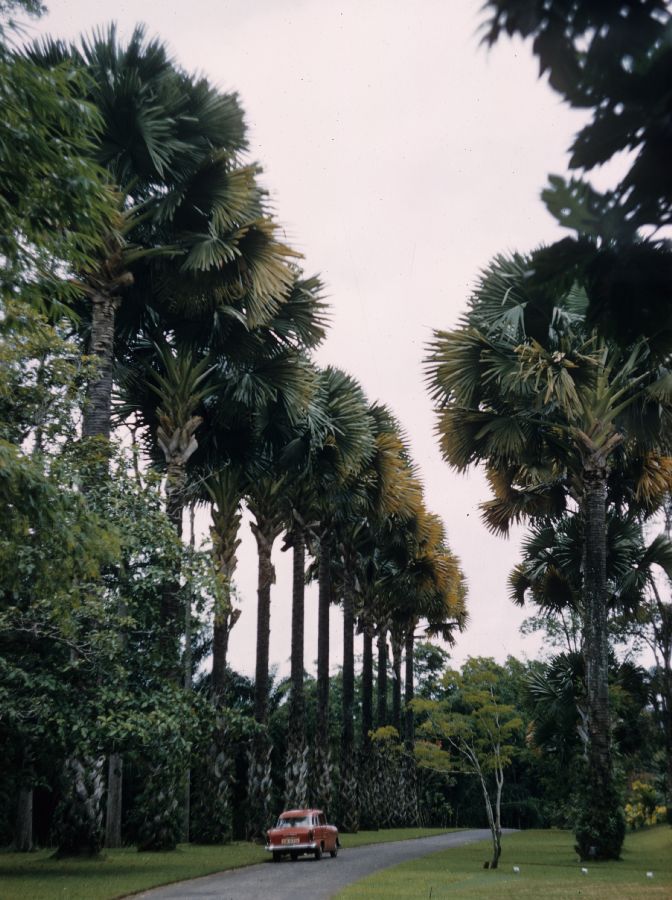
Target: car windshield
293,822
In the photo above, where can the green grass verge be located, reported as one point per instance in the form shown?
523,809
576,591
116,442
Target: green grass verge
37,876
548,870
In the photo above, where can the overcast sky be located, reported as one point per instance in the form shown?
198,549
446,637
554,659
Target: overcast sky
400,156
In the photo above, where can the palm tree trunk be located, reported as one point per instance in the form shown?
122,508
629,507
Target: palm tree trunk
367,786
596,641
97,409
297,707
348,732
169,613
410,776
409,719
600,827
367,684
323,774
381,707
225,543
96,422
324,600
396,681
265,535
349,791
296,767
176,482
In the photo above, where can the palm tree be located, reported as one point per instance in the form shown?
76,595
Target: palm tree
557,414
171,144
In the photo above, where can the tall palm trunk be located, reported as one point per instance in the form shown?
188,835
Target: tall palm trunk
349,786
367,682
225,543
596,640
96,422
296,768
396,680
367,781
410,781
297,715
98,406
381,684
600,827
266,529
323,777
409,719
178,443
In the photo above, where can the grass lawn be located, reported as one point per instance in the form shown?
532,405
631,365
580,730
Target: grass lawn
36,876
548,870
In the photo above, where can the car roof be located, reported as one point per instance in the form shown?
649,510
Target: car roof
294,813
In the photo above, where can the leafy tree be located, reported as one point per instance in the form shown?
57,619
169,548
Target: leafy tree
53,197
478,732
430,661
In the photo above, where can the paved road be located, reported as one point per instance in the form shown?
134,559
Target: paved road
308,877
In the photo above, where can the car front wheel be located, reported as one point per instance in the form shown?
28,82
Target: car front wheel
318,852
276,856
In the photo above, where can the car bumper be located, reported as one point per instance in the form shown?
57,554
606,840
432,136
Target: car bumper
292,848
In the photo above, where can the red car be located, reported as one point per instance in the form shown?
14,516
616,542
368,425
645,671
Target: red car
302,831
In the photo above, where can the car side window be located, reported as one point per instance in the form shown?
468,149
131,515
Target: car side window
323,819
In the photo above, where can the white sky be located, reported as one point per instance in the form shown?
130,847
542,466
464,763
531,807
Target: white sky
401,157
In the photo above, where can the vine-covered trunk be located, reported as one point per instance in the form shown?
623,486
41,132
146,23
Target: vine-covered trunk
212,811
349,788
600,827
396,681
160,808
259,787
98,405
381,683
78,820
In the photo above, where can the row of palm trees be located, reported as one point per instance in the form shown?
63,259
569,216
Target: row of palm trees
202,323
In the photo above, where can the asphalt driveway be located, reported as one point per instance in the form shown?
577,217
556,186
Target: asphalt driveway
308,877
